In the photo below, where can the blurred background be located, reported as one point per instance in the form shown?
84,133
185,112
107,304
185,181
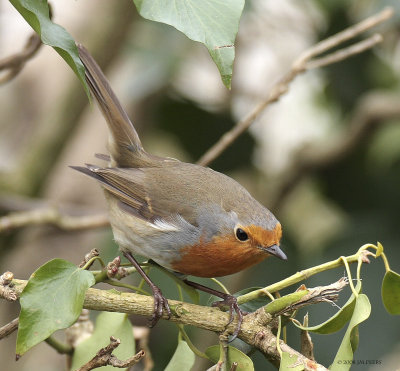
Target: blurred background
174,95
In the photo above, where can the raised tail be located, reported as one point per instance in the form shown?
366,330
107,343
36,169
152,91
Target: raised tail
124,144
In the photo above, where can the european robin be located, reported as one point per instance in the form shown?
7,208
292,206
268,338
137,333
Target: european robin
187,218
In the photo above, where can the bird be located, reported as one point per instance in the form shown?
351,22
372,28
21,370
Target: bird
187,218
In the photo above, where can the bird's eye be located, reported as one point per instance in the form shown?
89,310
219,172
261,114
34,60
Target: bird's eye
241,235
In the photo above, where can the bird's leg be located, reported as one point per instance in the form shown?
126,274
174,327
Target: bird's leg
160,302
227,300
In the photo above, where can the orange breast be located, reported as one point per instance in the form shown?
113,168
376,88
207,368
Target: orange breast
219,257
226,255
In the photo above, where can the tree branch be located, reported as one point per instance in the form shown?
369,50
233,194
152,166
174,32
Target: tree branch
303,63
104,357
52,215
9,328
255,329
15,63
373,110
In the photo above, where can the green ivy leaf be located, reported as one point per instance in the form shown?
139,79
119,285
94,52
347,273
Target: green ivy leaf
214,23
183,358
338,320
391,292
51,300
107,324
234,355
344,355
289,362
36,13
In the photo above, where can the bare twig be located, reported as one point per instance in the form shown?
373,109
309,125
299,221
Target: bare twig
91,254
373,110
329,293
345,52
6,287
306,344
9,328
104,357
142,335
54,216
16,62
303,63
80,330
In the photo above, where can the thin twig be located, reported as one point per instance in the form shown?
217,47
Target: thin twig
9,328
347,34
300,65
54,216
104,357
16,62
6,287
306,344
345,53
373,110
142,335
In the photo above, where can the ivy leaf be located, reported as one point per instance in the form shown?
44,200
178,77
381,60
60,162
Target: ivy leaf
107,324
244,363
36,13
183,358
51,300
391,292
214,23
338,320
344,355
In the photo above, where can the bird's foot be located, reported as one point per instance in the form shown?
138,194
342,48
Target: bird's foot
160,303
231,302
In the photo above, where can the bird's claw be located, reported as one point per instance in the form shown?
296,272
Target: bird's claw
231,302
160,303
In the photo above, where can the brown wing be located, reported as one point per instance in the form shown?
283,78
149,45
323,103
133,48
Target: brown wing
127,185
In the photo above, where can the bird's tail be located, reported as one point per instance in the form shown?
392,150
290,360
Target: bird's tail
124,144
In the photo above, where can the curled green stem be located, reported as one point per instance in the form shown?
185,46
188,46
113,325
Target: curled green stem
59,346
91,260
190,344
297,277
220,284
127,286
346,264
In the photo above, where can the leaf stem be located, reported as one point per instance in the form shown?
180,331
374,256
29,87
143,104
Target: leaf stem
297,277
126,285
346,264
59,346
379,249
190,344
90,262
220,284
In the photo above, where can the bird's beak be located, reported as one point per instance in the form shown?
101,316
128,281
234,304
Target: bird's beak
276,251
